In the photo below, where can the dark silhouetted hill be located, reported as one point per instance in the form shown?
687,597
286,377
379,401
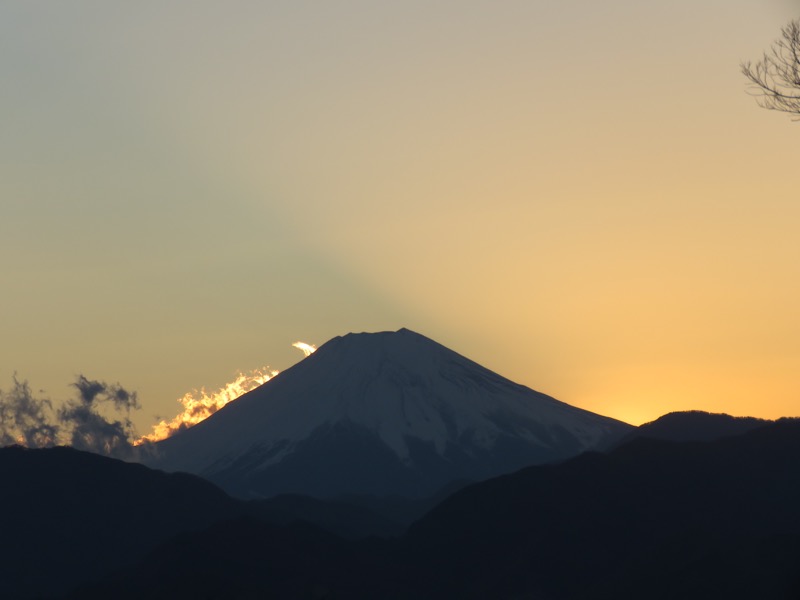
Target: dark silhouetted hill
400,509
652,519
693,426
71,516
349,520
246,558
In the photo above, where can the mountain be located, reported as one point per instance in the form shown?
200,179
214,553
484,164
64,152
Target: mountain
346,519
246,559
70,517
652,519
693,426
391,413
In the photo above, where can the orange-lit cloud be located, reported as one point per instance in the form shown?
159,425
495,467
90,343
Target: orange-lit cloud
198,405
307,349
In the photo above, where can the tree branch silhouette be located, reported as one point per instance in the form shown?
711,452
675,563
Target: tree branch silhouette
775,79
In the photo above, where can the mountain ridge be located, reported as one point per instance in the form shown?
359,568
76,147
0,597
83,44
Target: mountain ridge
694,426
73,516
652,519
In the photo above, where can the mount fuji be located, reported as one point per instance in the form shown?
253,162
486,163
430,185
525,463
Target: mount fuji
390,413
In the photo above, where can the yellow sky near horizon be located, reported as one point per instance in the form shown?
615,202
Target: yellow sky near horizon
580,196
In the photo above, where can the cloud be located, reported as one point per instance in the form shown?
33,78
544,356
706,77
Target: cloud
87,389
25,419
92,431
307,349
198,405
79,422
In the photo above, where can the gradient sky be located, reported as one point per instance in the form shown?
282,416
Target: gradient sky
578,195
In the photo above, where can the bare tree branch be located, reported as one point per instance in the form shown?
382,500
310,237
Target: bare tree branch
775,79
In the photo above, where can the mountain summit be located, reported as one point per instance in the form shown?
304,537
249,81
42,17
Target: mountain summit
380,413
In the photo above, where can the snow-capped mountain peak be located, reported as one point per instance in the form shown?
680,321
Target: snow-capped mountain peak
417,404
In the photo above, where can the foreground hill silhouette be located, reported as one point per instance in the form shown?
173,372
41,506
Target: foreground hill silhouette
246,558
71,516
651,519
693,426
389,413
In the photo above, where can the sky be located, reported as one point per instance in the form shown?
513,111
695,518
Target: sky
578,195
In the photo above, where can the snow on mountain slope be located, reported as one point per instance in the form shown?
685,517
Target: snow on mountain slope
407,402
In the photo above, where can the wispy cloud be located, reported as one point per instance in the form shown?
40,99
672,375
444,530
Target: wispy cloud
89,429
25,419
36,423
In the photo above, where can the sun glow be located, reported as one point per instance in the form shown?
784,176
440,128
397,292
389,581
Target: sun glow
198,405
